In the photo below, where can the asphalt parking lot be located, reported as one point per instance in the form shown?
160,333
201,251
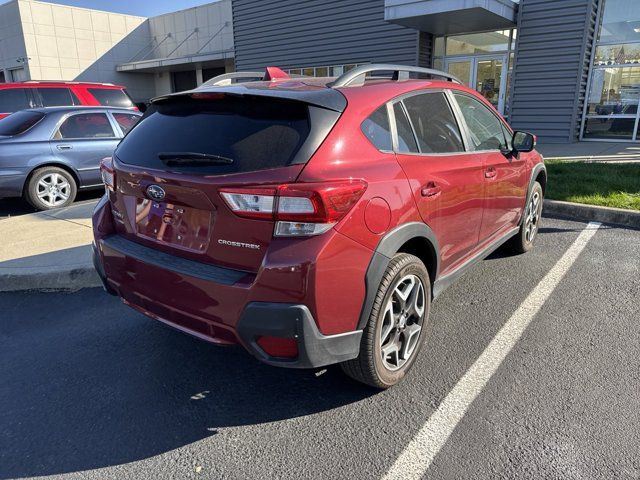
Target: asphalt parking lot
92,389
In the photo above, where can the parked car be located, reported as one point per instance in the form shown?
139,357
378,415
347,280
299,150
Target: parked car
47,154
313,221
36,94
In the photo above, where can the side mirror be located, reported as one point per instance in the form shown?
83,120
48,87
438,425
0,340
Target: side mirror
523,142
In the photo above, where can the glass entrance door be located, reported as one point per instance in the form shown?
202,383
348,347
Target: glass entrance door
487,74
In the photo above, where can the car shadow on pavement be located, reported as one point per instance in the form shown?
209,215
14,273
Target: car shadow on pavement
87,383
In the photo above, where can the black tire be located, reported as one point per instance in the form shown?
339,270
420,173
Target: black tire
522,242
64,182
369,367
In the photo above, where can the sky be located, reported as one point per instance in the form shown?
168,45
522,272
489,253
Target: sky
144,8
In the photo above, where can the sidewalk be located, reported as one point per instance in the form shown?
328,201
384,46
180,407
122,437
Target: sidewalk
48,250
608,152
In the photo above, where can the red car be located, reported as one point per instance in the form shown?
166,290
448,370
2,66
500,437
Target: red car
36,94
311,220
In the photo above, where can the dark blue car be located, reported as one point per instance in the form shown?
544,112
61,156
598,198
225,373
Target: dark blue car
47,154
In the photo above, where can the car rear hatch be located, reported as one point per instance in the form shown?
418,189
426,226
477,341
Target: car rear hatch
170,169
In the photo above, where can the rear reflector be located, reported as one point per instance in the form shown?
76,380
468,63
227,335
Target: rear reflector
279,347
300,209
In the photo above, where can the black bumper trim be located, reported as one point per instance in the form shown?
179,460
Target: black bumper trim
294,321
97,264
191,268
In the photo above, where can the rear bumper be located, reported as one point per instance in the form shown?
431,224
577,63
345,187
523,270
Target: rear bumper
295,321
210,286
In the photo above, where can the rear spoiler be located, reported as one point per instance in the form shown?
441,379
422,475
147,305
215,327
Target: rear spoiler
256,85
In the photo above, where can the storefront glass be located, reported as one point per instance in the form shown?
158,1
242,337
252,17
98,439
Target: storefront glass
480,60
612,110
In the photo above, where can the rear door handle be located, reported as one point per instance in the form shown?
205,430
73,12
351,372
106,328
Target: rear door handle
430,190
64,147
490,173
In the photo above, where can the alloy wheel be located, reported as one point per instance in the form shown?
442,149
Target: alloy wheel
532,217
53,189
402,322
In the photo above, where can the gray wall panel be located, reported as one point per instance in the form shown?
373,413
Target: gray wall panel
554,44
291,33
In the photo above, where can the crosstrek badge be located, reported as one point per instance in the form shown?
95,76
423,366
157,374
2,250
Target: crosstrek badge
230,243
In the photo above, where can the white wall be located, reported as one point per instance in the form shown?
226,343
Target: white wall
12,45
208,19
69,43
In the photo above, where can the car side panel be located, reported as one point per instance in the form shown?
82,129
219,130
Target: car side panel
505,188
454,211
347,153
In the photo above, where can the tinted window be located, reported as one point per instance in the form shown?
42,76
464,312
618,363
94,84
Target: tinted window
255,133
433,121
86,125
406,139
13,99
377,129
19,122
111,97
486,130
56,97
126,121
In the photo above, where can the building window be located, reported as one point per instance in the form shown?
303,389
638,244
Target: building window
482,61
323,71
612,112
477,43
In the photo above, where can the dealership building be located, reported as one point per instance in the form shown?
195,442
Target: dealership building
566,70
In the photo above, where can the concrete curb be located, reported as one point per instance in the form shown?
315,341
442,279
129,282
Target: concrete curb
51,279
592,213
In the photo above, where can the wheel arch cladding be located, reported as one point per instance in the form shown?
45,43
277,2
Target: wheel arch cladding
62,166
541,178
538,174
414,238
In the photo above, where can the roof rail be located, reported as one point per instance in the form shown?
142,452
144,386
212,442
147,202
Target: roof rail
228,78
270,73
68,82
360,72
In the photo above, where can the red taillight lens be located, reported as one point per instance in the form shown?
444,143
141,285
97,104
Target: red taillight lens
107,173
298,208
318,202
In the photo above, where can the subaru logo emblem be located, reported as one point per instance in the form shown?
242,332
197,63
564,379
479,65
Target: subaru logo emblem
155,192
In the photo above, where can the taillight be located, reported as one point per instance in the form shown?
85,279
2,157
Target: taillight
299,209
108,175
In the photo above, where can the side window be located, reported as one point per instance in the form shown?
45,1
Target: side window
433,121
13,99
86,125
126,121
406,139
376,128
56,97
487,132
111,97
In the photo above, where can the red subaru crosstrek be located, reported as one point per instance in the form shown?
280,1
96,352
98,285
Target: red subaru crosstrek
36,94
311,220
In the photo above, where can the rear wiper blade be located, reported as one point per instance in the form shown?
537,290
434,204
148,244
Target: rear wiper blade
193,159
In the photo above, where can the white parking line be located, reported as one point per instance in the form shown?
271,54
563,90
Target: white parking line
416,458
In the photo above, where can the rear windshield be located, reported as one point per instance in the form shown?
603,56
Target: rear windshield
19,122
111,97
249,133
13,99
